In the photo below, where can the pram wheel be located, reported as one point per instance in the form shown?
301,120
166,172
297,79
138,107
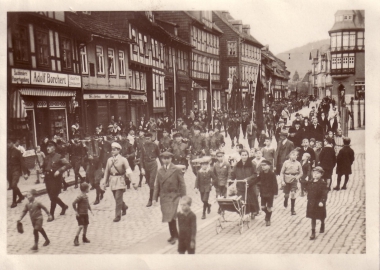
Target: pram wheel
218,226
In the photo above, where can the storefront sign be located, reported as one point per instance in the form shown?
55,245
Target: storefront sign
74,81
20,76
49,78
104,96
139,97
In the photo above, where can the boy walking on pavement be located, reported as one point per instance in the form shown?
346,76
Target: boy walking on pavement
203,183
327,160
187,225
81,207
290,174
34,209
268,189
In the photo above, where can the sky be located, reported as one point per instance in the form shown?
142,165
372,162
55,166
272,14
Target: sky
285,25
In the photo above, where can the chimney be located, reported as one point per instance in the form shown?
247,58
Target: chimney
237,24
225,14
246,29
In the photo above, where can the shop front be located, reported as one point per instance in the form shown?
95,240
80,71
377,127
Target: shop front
50,105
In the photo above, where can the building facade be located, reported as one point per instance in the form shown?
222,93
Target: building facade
198,28
43,77
347,42
240,53
321,72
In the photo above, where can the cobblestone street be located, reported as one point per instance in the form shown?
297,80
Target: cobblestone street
141,230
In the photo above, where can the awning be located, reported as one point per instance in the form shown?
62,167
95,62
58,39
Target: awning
47,92
17,106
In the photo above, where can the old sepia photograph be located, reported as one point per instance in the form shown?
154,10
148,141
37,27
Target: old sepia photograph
186,131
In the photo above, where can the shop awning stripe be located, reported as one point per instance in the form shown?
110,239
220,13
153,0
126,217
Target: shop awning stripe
47,92
18,106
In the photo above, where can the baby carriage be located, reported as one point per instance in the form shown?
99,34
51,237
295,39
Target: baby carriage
235,204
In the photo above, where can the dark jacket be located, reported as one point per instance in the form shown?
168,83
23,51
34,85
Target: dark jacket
316,193
187,226
282,153
316,132
203,180
170,187
327,158
268,184
344,160
299,135
310,151
306,172
334,126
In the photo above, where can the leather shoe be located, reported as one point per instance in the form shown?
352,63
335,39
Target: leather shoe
35,247
47,242
96,202
170,239
50,220
149,203
268,223
209,209
293,213
344,188
124,212
9,188
85,240
336,188
76,186
203,216
117,219
64,210
14,205
20,199
174,239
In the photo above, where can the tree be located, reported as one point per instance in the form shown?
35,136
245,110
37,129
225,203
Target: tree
296,77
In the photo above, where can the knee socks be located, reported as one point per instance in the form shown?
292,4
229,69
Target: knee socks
42,231
205,205
35,232
292,203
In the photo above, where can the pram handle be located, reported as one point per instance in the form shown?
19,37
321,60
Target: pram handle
231,181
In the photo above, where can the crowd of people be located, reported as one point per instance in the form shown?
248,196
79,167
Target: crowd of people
308,149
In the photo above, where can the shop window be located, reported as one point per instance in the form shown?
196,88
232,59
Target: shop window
66,52
20,44
83,57
121,63
42,40
58,123
100,60
360,41
111,62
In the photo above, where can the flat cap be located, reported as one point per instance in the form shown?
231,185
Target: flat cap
319,169
53,143
116,145
220,152
266,162
205,159
166,154
178,134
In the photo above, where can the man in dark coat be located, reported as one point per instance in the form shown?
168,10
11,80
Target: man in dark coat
54,166
284,147
306,149
279,129
332,125
77,152
327,160
15,167
316,131
296,134
344,160
170,187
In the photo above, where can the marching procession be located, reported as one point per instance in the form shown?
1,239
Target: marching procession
308,149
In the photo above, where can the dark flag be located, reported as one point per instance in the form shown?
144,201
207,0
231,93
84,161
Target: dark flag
259,103
239,101
232,103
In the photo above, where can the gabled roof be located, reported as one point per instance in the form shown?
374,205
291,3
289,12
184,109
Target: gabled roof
241,34
214,27
94,25
356,23
306,78
174,37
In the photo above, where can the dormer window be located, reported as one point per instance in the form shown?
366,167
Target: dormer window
347,17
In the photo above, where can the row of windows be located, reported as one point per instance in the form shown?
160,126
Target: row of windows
207,18
248,73
158,90
43,42
137,80
341,18
250,52
347,41
143,47
181,56
345,60
201,63
204,41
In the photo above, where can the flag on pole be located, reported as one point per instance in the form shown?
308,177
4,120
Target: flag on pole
259,95
211,103
175,90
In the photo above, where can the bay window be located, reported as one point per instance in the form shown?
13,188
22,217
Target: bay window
345,60
339,41
346,36
352,40
360,40
351,60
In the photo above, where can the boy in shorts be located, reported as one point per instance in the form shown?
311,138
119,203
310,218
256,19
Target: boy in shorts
290,174
34,209
187,224
81,207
